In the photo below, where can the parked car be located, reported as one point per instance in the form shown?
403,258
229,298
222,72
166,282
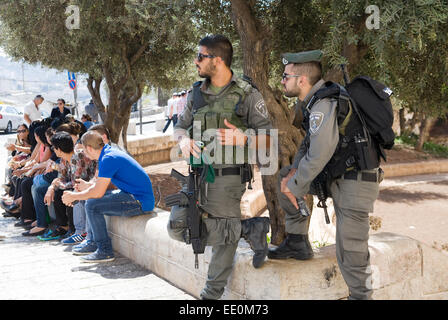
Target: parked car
10,118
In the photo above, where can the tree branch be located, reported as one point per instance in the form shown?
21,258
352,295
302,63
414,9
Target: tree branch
94,86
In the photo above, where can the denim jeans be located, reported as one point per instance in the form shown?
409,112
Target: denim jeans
113,203
79,217
38,190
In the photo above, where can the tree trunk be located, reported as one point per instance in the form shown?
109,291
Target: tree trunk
162,97
124,91
116,116
94,86
416,118
119,111
255,42
425,128
402,121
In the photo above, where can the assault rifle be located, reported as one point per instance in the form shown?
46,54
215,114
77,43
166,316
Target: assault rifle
320,186
191,200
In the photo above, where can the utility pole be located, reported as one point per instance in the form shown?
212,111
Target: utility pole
141,115
23,77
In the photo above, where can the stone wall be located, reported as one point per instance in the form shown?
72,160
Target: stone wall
403,268
152,150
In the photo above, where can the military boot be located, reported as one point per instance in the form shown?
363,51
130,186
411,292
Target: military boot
254,231
295,246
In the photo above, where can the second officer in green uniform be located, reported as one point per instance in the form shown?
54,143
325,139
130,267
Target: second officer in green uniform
354,192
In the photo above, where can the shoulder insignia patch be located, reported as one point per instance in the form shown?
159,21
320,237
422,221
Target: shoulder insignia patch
261,109
316,119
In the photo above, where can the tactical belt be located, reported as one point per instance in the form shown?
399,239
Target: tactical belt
365,176
233,171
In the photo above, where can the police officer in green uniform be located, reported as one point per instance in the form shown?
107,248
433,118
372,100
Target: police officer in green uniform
229,106
353,193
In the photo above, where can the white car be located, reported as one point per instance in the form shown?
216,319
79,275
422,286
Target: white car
10,118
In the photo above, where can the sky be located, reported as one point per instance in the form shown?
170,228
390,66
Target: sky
51,83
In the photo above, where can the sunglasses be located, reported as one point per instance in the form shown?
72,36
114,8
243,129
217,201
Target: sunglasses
286,76
202,56
21,131
60,104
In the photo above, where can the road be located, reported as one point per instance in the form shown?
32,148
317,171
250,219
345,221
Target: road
415,206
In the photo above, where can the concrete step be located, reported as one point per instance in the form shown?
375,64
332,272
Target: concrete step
403,268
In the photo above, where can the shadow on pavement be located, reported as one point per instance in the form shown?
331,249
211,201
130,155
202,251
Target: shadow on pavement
440,183
120,268
391,195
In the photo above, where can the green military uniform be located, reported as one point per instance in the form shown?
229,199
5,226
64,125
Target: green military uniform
222,220
353,198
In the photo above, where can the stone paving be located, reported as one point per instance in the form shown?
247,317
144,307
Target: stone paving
32,269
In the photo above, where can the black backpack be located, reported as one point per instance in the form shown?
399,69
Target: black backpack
372,100
365,117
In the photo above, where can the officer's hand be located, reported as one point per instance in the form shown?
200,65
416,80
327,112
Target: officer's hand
285,190
286,179
188,146
232,136
292,198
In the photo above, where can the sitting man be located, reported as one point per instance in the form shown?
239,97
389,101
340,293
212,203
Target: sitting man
134,195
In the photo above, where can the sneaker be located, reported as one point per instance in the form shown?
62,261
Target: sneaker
74,239
79,245
67,234
84,248
52,234
97,257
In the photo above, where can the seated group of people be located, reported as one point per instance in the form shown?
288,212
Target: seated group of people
63,179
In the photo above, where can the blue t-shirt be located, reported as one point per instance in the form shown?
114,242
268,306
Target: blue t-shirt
88,124
127,175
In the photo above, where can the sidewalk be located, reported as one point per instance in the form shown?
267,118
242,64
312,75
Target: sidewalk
36,270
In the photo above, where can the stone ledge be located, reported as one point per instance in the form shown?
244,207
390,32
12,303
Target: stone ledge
403,268
153,150
415,168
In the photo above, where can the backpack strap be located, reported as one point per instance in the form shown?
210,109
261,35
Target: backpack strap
250,81
335,91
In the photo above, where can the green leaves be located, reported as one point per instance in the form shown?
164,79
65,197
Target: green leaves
37,33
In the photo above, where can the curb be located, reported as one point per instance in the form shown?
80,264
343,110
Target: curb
415,168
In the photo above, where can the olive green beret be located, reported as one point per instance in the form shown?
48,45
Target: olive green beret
302,57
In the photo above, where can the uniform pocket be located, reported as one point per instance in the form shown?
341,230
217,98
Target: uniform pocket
177,223
221,231
354,231
354,194
235,192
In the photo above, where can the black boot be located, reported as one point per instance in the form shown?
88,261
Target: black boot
254,231
295,246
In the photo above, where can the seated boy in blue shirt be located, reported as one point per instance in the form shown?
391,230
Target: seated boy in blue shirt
134,195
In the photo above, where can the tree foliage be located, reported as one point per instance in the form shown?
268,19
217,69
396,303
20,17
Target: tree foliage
408,52
131,42
125,42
